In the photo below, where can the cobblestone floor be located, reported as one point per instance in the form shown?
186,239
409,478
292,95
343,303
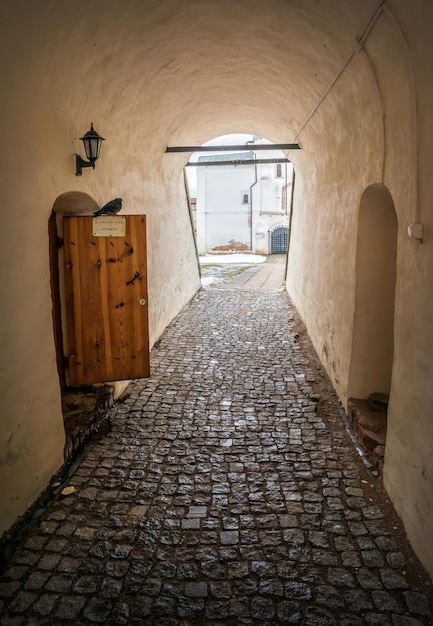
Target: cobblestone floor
227,492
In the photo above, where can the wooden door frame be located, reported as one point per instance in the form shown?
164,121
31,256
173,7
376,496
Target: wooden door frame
54,244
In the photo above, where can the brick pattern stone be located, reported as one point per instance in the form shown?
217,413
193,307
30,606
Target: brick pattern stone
227,492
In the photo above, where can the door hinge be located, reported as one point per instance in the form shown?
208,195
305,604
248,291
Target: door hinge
60,242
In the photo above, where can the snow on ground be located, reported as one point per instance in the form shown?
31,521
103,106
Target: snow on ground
207,281
215,259
219,268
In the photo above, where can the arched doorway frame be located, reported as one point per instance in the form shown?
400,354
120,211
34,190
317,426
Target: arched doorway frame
271,234
68,203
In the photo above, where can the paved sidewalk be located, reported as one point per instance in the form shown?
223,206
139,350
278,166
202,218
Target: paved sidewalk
228,492
267,276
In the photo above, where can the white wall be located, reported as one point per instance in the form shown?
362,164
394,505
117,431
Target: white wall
222,215
225,220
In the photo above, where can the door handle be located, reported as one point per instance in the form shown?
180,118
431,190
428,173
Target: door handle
134,278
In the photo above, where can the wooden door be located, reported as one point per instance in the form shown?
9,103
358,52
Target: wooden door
106,298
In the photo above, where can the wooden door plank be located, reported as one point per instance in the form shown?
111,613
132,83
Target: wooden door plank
95,357
140,312
73,299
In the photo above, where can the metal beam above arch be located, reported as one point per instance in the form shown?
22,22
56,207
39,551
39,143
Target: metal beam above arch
245,147
236,162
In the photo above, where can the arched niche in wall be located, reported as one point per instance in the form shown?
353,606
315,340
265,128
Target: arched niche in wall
74,203
373,324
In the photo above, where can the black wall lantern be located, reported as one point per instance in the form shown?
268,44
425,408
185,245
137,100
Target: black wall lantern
92,145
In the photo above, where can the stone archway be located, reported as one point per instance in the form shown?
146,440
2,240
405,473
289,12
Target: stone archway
373,324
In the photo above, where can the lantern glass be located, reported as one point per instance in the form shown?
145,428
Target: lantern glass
92,144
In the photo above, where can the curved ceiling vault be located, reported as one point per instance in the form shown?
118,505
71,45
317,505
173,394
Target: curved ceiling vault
193,70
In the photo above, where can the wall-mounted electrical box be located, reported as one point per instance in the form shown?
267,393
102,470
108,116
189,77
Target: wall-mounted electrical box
415,231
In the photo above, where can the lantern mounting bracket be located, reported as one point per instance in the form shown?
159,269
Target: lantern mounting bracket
80,163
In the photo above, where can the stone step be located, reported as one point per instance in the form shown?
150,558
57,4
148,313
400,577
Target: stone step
368,424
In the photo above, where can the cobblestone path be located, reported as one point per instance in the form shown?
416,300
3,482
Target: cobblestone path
227,492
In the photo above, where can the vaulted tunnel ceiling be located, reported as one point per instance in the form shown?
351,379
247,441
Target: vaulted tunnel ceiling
190,70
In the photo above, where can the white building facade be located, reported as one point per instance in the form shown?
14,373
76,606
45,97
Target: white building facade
243,206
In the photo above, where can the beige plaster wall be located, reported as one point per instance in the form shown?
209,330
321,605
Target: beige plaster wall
409,458
389,147
53,96
152,73
331,174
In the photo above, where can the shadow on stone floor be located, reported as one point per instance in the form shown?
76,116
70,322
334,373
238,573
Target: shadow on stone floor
86,416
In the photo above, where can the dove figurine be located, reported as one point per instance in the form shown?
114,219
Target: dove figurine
110,208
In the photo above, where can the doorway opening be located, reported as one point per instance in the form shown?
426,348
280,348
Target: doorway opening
84,408
238,196
278,238
373,324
